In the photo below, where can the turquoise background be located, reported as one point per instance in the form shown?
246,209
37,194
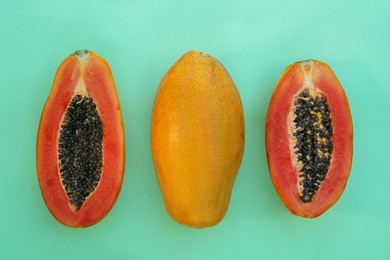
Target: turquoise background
255,40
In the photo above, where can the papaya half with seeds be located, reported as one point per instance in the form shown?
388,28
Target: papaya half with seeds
80,152
309,138
197,139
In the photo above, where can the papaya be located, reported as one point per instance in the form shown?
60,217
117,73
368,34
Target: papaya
80,151
309,138
197,139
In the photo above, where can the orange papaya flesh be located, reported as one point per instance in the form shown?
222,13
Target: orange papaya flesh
80,145
197,139
309,138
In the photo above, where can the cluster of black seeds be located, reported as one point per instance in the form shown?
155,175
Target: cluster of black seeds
80,149
313,133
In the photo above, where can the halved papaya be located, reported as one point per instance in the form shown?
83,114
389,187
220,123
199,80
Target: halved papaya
80,145
309,138
197,139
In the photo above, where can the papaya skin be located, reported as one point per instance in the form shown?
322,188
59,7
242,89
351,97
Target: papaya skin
197,139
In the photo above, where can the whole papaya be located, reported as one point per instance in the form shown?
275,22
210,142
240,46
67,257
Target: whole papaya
197,139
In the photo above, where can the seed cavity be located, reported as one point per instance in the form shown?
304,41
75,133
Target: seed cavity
313,148
80,150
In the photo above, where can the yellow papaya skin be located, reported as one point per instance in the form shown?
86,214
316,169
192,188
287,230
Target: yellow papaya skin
197,139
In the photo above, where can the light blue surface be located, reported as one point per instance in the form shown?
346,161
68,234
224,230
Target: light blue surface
255,40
